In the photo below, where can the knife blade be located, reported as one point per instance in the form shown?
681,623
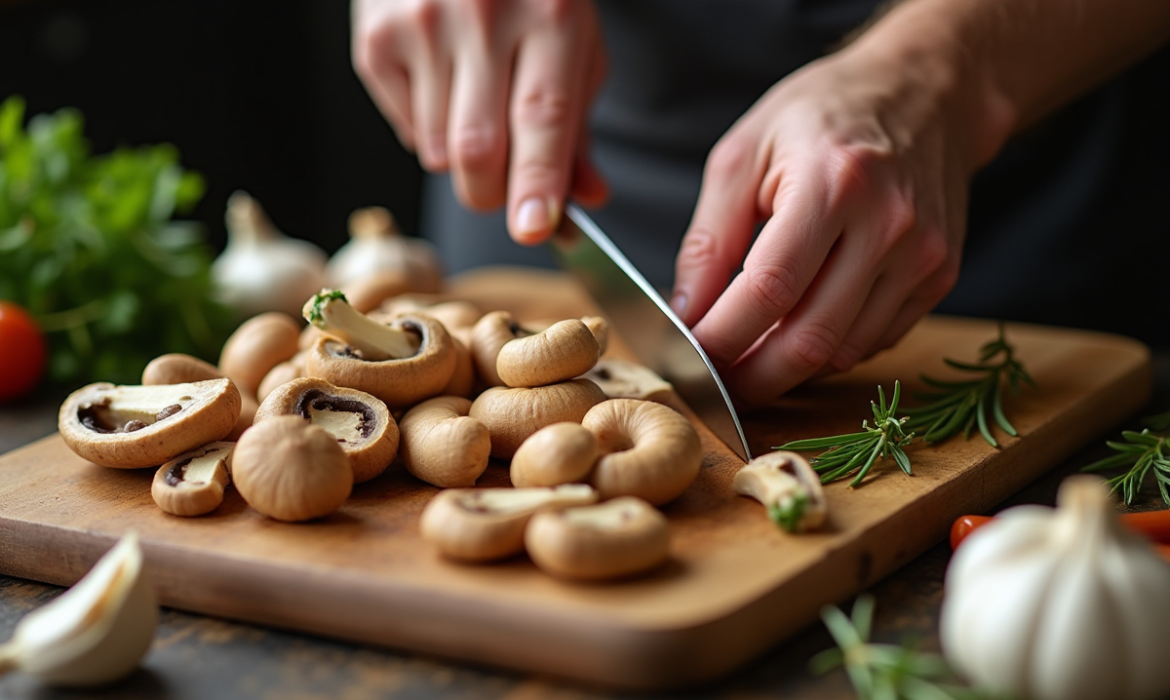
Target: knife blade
646,323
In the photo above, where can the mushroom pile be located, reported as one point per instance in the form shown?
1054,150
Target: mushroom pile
294,415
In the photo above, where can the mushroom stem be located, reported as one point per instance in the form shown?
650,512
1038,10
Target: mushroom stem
331,312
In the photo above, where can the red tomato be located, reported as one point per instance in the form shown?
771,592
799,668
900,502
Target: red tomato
22,352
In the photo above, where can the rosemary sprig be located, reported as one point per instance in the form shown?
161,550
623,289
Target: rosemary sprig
857,452
884,671
1143,452
966,405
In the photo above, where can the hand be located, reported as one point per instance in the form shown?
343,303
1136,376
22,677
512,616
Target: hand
857,169
494,91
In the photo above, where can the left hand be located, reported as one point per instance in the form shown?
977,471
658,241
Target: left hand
862,177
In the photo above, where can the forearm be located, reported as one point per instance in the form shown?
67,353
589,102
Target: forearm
1008,63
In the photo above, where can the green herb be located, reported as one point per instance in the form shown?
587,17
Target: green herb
1143,453
317,303
884,671
857,452
787,514
88,246
965,405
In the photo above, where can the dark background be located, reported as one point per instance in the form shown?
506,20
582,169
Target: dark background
257,95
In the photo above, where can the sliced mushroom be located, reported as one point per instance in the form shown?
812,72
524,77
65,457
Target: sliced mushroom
649,450
562,351
622,379
788,487
409,359
511,415
258,345
193,483
487,524
178,368
144,426
442,445
561,453
361,424
292,470
609,540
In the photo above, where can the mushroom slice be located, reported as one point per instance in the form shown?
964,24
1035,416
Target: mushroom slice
143,426
94,633
361,424
650,451
487,524
561,453
788,487
290,469
177,368
562,351
193,483
442,445
621,379
621,537
369,361
511,415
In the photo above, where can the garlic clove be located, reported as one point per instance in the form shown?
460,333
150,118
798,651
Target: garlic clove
95,632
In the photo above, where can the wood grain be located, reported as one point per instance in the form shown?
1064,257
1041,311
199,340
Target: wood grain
734,585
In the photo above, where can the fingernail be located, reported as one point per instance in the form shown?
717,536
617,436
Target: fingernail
678,303
535,217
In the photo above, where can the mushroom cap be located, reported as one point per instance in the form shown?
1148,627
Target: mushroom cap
130,427
193,483
290,469
359,422
562,351
649,450
599,326
488,335
613,539
452,313
178,368
463,379
779,478
367,293
397,382
488,524
442,445
561,453
513,414
283,372
258,345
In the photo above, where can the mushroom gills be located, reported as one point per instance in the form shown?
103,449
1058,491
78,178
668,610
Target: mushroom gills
345,419
131,408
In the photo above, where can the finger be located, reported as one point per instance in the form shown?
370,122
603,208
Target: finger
378,66
548,102
720,230
921,302
390,91
430,85
810,335
778,270
477,142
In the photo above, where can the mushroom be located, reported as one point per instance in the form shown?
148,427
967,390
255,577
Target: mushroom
367,293
403,362
621,537
442,445
376,246
283,372
143,426
178,368
561,453
599,327
649,450
454,314
621,379
788,487
463,379
360,423
562,351
512,414
489,334
487,524
290,469
256,346
193,483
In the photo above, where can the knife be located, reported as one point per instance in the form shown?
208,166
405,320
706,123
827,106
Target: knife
646,323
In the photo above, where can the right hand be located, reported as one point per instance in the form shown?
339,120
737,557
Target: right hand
494,91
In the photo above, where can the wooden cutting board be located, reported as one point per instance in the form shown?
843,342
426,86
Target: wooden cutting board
734,585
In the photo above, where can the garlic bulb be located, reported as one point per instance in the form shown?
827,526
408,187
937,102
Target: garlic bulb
93,633
378,247
1064,604
261,269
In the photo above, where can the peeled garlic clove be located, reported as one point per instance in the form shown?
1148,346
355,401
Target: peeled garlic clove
95,632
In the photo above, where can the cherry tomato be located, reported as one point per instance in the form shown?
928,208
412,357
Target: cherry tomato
22,352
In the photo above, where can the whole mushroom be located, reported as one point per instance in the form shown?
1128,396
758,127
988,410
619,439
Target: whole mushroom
444,446
617,538
513,414
561,453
